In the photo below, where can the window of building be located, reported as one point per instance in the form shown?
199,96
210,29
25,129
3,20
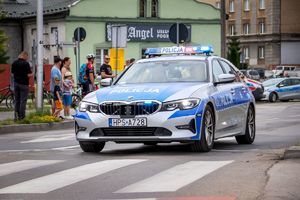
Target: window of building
246,5
231,29
261,27
246,53
261,52
218,4
154,8
143,8
231,6
261,4
246,28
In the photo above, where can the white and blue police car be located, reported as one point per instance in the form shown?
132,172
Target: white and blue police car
177,97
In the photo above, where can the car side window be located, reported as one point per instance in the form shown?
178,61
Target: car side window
295,81
285,83
228,69
217,70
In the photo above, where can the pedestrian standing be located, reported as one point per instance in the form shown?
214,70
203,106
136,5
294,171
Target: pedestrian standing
21,72
66,63
55,73
67,94
105,69
57,96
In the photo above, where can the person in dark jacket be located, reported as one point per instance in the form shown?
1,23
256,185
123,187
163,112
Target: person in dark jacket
21,72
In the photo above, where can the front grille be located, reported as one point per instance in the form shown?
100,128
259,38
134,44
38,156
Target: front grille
130,109
136,131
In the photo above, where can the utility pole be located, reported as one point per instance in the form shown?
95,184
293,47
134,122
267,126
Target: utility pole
223,28
40,55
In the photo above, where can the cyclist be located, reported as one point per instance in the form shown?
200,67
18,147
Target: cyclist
89,85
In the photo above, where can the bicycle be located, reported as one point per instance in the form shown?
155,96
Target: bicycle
8,97
76,96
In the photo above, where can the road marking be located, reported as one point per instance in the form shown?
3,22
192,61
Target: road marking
169,181
51,138
67,177
13,167
67,147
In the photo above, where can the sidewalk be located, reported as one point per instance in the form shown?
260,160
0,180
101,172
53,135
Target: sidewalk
284,177
20,128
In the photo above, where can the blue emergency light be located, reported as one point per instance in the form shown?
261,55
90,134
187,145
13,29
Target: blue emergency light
180,50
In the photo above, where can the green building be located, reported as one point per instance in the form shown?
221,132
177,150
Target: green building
148,23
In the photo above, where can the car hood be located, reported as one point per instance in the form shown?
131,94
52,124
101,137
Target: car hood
151,91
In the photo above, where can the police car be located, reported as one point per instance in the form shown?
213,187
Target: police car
177,97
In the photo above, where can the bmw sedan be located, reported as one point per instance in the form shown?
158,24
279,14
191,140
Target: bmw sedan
176,98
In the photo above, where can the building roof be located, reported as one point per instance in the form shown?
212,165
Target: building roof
28,8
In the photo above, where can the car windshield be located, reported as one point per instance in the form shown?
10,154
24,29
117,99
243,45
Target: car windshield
166,72
272,82
253,73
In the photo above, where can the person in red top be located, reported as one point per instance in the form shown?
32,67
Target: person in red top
90,73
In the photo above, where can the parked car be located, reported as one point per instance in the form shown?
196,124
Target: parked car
287,71
283,89
261,72
256,88
178,98
252,74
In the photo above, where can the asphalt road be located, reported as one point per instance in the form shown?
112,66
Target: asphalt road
50,165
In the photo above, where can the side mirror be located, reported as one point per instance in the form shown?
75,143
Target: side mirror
106,82
225,78
280,85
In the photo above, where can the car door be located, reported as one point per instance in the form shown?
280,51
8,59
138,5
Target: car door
241,98
284,89
295,88
226,121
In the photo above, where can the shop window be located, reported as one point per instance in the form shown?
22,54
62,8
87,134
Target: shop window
154,8
143,8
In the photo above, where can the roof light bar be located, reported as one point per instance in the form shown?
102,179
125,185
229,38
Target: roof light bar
180,50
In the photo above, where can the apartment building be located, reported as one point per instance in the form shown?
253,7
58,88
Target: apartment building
268,30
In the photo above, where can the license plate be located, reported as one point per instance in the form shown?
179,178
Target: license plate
127,122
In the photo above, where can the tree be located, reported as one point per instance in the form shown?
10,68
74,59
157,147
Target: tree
234,51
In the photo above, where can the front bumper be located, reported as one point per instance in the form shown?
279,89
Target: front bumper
167,126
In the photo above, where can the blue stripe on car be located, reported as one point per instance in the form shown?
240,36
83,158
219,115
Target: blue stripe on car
82,115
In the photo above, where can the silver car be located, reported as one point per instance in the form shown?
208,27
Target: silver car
178,98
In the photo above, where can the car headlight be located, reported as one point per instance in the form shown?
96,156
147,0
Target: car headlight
183,104
85,106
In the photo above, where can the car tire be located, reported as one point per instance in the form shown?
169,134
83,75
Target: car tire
273,97
206,141
250,130
94,147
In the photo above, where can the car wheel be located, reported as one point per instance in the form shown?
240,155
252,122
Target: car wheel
206,141
273,97
92,146
249,136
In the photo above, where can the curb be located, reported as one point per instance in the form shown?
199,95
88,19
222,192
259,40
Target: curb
292,152
20,128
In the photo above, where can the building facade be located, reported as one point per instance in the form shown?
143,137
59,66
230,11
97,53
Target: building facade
268,31
148,23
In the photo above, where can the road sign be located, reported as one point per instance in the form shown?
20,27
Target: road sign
183,33
79,34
